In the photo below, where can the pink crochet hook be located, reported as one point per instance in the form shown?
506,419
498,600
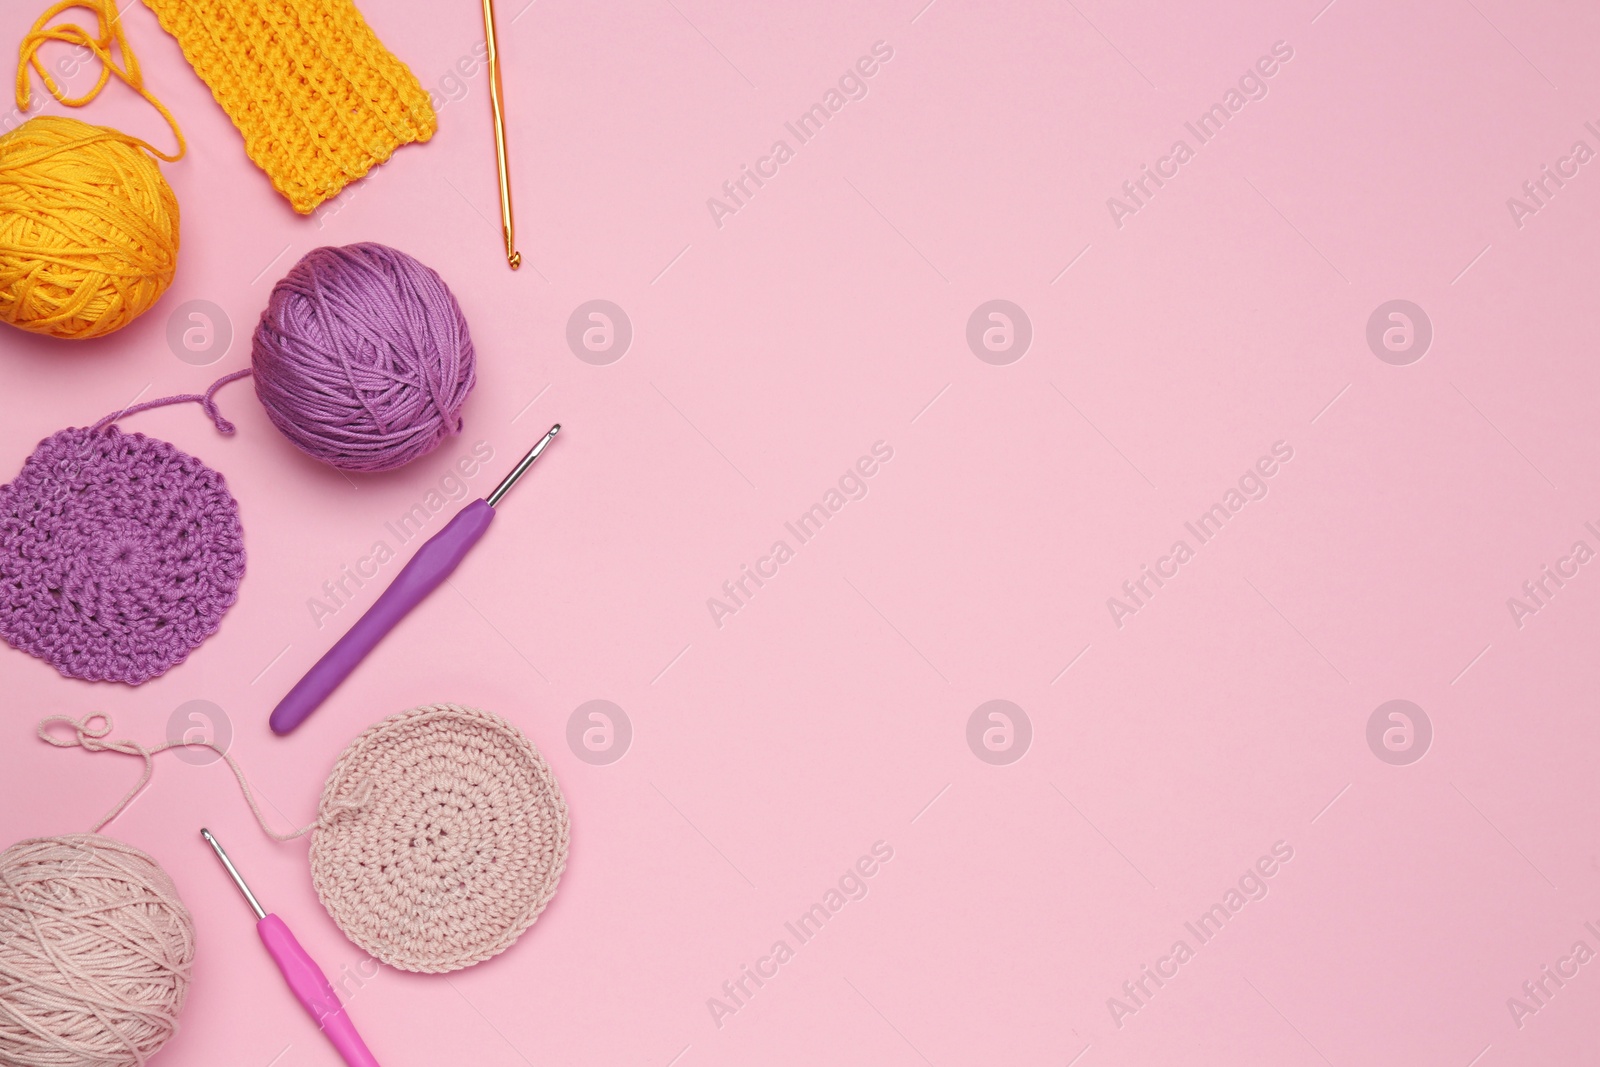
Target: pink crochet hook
432,564
306,980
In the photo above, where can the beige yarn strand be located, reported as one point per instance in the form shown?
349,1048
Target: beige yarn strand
90,733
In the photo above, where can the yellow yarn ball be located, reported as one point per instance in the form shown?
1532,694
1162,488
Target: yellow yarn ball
88,229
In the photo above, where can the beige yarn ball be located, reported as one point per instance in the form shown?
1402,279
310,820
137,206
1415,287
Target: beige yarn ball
95,953
443,836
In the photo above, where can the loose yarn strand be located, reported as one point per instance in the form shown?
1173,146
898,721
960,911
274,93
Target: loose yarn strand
205,400
109,43
90,733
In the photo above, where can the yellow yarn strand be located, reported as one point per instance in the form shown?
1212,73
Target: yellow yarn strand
88,226
108,43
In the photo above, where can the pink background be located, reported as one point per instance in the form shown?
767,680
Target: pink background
830,313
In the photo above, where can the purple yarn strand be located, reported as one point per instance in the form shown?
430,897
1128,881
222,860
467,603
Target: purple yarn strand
205,400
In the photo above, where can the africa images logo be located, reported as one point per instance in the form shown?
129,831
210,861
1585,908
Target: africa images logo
851,885
1137,192
851,485
1252,485
738,191
1253,885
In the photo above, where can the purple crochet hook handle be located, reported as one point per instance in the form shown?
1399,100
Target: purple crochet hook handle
433,563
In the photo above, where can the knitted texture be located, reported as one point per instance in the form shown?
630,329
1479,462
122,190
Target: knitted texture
119,554
453,839
95,953
318,98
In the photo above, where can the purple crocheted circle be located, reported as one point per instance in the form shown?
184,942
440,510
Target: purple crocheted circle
119,555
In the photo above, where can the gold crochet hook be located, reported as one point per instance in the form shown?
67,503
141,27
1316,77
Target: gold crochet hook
513,257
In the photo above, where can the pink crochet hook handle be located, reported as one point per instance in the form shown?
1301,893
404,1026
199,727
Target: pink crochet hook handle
305,979
422,574
310,987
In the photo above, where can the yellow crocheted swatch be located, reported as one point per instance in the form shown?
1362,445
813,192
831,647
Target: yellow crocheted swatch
318,98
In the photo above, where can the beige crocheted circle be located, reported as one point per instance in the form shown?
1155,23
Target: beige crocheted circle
454,841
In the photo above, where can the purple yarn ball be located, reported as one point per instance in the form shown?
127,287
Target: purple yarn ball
362,357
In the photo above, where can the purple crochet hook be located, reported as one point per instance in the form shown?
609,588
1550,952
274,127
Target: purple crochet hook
432,564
